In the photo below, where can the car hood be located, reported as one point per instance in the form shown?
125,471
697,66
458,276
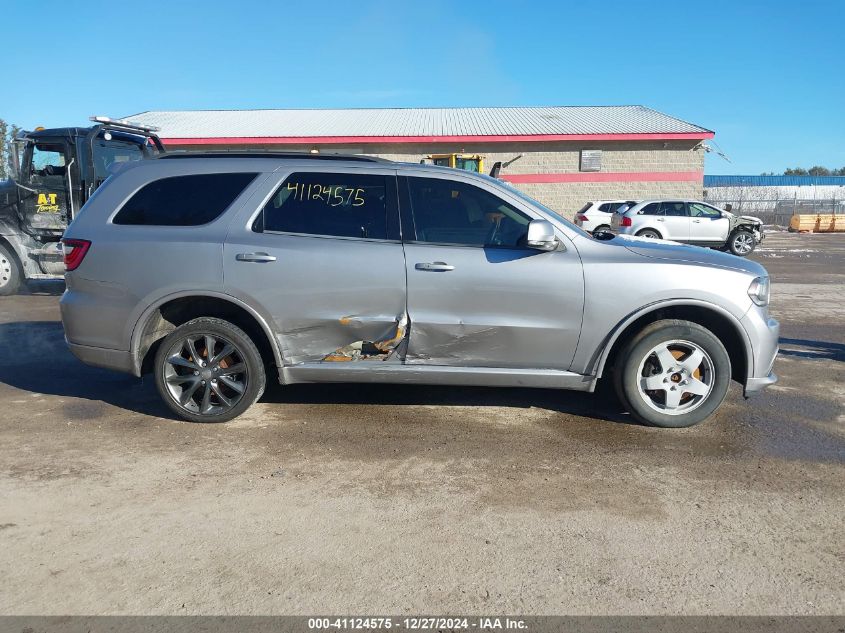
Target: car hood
751,218
675,251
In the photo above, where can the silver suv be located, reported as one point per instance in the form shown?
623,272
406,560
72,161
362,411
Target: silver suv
211,271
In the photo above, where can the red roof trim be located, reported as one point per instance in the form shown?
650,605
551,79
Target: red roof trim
633,176
507,138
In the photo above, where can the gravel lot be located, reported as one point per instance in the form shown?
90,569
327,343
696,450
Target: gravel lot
387,499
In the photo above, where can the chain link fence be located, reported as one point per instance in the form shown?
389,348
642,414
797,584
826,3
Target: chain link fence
773,209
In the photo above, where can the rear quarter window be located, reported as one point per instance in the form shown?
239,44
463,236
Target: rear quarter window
183,200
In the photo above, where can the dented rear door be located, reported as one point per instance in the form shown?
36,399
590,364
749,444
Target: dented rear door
476,297
323,262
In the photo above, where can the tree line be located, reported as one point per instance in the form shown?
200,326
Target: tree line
8,132
816,170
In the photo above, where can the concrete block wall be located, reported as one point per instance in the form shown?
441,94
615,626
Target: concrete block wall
554,157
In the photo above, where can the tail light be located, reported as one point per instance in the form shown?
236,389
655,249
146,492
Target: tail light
626,221
580,217
75,251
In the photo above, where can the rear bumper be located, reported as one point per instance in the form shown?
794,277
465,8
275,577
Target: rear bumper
115,359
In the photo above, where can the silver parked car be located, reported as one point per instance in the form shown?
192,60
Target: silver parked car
691,222
212,271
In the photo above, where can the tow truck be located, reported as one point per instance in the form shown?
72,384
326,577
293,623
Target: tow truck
54,172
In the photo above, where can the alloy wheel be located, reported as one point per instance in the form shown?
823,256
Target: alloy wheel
205,374
744,243
675,377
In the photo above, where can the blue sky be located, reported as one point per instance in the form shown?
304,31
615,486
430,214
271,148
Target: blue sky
768,77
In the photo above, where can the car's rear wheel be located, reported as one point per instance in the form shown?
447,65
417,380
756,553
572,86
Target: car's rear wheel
649,234
742,243
604,228
673,374
209,370
10,272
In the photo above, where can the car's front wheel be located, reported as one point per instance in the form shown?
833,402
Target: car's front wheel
673,374
741,243
209,370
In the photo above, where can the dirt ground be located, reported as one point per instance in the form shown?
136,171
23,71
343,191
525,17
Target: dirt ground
406,500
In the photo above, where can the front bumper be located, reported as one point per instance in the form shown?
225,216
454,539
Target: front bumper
764,332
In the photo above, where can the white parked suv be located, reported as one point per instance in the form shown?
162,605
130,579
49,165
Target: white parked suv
691,222
595,216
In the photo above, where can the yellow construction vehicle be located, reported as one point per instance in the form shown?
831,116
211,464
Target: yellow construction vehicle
470,162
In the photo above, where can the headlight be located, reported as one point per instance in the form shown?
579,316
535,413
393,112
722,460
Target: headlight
759,291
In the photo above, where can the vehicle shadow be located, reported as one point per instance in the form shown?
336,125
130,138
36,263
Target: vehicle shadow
814,349
42,364
47,287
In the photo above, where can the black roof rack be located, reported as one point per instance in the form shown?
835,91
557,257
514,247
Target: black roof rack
264,154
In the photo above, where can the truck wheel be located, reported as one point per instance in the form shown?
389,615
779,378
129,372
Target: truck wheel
209,370
673,374
741,242
11,275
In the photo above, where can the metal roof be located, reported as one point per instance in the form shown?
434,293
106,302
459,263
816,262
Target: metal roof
415,122
773,181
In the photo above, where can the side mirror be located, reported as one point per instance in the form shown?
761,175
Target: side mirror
541,236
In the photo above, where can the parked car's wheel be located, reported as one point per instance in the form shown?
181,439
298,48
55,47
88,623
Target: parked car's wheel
209,370
604,228
650,234
673,374
11,275
741,242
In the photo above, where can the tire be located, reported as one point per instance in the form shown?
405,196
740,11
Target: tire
669,405
650,234
604,228
209,391
742,243
11,276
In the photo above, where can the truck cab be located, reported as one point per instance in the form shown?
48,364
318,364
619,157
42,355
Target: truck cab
55,172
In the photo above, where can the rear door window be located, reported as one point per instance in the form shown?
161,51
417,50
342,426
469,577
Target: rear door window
651,209
329,205
674,209
183,200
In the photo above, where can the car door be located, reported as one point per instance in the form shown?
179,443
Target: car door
675,220
708,224
321,258
477,297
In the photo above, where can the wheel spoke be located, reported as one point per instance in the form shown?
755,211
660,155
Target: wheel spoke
220,395
210,343
205,407
192,350
186,394
697,387
653,383
181,379
181,362
234,369
691,362
228,348
673,398
232,384
665,357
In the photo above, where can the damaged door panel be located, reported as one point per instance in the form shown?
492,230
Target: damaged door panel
335,291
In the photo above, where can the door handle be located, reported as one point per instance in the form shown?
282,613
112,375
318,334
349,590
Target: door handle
661,219
438,267
255,257
697,221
